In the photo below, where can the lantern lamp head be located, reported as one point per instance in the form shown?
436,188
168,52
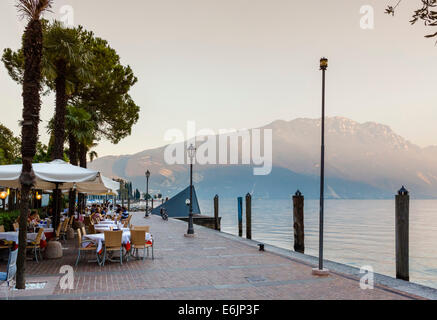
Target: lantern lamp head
323,64
403,191
187,202
3,195
147,173
191,152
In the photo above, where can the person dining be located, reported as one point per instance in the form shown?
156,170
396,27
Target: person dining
124,213
96,217
33,217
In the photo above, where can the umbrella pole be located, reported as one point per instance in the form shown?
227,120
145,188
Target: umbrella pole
56,213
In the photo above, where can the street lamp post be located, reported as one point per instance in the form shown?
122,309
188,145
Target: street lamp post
320,270
147,192
191,155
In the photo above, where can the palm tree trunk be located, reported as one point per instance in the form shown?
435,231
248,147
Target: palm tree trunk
11,200
32,48
74,161
61,108
82,162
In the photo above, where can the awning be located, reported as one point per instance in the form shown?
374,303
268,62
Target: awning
48,175
100,186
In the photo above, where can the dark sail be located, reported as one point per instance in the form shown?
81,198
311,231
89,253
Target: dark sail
176,207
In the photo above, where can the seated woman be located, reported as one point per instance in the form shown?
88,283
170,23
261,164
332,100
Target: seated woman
33,219
96,217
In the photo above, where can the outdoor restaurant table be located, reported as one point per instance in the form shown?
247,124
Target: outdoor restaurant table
107,227
13,236
107,222
99,239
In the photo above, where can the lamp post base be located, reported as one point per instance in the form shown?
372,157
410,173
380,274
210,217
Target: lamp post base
321,273
193,235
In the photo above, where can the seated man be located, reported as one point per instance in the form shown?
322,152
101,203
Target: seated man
124,213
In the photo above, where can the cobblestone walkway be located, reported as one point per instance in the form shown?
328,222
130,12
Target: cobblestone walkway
209,266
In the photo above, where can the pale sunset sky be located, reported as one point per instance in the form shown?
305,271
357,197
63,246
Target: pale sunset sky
245,63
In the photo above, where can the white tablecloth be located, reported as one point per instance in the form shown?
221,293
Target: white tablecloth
99,239
107,222
13,236
102,229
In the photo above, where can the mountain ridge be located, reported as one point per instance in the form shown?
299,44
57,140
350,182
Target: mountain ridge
368,157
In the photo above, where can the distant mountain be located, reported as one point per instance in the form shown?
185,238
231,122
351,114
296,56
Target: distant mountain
363,160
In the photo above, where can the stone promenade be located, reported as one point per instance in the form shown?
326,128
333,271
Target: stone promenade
212,265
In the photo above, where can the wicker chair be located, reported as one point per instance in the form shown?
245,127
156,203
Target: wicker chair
35,245
2,228
146,229
91,229
113,243
64,229
81,249
138,241
58,232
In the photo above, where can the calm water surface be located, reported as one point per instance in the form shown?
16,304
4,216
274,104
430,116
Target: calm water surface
357,232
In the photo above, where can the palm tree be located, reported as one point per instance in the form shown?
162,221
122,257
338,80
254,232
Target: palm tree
31,10
79,128
65,60
93,155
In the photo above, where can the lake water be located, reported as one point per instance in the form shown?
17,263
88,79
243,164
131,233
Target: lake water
357,232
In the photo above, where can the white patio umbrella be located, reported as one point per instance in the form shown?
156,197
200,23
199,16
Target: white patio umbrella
101,186
51,175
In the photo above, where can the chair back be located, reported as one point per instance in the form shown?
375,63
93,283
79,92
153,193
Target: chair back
39,235
138,237
144,228
65,224
12,264
58,230
91,229
2,228
79,238
83,230
87,220
113,239
16,226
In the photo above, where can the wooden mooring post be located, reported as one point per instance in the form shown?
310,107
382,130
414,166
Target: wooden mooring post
240,216
298,222
216,212
402,234
248,216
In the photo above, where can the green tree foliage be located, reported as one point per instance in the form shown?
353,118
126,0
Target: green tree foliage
10,146
10,149
137,194
100,85
106,94
65,62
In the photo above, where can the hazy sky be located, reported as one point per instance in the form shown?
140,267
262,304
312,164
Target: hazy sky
245,63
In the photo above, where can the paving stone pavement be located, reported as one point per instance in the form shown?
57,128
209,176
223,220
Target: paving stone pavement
208,267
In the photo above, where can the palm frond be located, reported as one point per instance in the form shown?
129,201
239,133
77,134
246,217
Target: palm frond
33,9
